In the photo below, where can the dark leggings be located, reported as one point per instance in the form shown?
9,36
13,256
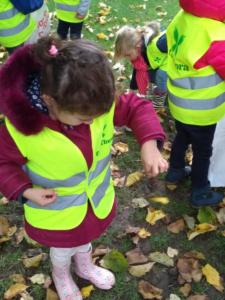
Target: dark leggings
201,138
74,28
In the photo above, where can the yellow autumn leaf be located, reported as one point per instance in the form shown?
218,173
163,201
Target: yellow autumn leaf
140,270
15,290
162,200
154,215
105,11
133,178
102,36
33,261
200,229
143,233
51,295
86,291
213,277
121,147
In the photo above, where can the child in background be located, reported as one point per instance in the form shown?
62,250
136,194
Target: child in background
71,15
146,49
55,150
196,38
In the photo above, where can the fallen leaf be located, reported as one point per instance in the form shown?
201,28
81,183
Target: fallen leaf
194,254
4,201
115,261
186,289
132,230
139,202
119,182
177,226
86,291
135,256
133,178
4,226
198,297
100,250
190,221
15,290
143,233
154,215
200,229
221,215
171,187
174,297
32,261
38,278
51,295
213,277
189,269
161,258
206,215
140,270
102,36
171,252
18,278
161,200
149,291
19,235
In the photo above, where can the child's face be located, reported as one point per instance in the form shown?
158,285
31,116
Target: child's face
65,117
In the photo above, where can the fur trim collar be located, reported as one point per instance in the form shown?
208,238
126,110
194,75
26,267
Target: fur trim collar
14,103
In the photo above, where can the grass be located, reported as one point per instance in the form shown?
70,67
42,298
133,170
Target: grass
131,12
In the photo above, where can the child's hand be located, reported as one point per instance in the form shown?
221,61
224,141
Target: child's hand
152,159
40,196
79,16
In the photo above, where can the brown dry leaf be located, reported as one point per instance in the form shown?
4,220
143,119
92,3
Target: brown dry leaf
135,256
198,297
221,215
132,230
143,233
4,226
12,230
100,250
189,269
177,226
51,295
19,235
18,278
15,290
4,239
86,291
223,233
32,261
186,289
139,202
161,258
213,277
200,229
141,270
190,221
135,239
121,147
194,254
133,178
161,200
171,252
149,291
102,36
154,215
4,200
119,182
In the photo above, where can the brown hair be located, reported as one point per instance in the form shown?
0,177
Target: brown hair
78,77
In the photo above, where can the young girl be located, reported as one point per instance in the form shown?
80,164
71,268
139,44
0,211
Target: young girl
55,150
71,15
146,48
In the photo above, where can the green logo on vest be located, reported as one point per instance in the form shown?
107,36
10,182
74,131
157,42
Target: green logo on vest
178,40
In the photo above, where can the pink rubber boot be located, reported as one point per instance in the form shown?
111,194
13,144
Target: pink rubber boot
65,286
84,268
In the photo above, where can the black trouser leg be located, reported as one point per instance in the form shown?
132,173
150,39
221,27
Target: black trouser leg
75,30
63,29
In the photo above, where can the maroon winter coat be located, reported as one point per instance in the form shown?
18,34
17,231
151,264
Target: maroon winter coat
131,111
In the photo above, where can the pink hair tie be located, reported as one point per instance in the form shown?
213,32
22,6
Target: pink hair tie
53,50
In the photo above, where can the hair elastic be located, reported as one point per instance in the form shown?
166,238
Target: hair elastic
53,50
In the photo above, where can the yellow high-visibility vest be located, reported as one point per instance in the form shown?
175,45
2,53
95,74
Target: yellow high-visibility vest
15,27
66,10
56,162
196,97
156,58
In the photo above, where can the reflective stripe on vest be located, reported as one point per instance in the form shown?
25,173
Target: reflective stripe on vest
101,189
8,14
66,7
101,164
194,83
15,30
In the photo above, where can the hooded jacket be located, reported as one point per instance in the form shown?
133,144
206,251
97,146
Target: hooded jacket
15,104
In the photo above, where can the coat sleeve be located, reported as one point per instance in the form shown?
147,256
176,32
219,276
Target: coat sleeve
139,115
13,180
214,57
83,7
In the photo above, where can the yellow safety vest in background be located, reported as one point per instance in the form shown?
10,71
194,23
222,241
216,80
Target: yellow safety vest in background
56,162
66,10
156,58
196,97
15,27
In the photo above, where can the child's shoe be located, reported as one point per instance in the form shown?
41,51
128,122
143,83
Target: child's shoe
205,197
84,268
174,175
65,286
